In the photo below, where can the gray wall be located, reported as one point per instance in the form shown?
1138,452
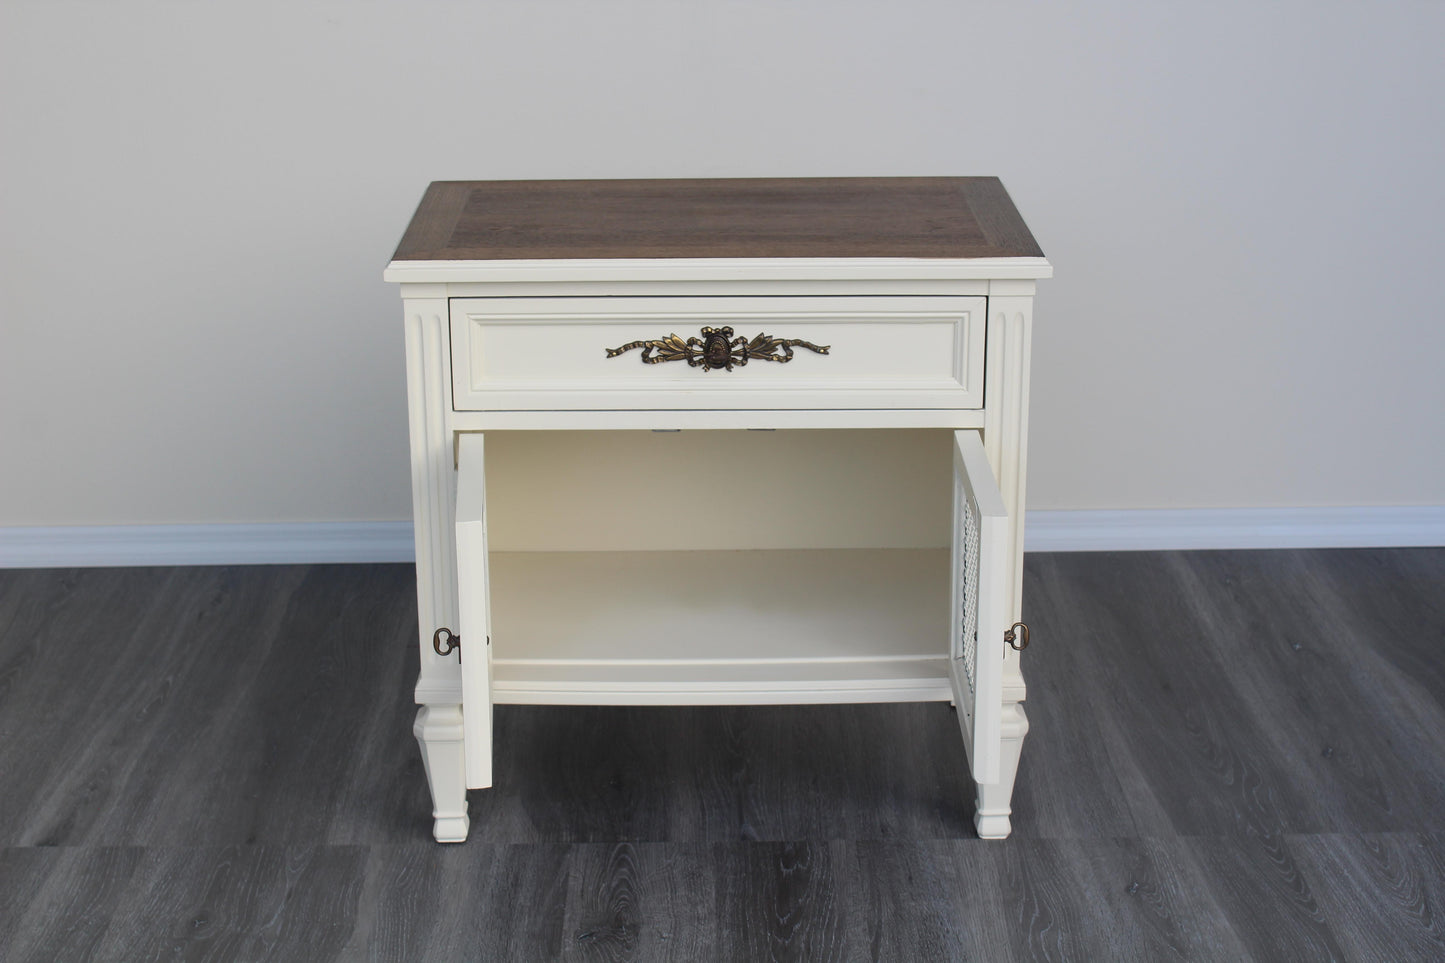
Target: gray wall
1243,203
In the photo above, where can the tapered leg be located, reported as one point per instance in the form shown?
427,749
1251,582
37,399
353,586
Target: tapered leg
991,818
438,731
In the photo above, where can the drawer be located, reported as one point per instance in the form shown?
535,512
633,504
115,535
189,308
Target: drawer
619,353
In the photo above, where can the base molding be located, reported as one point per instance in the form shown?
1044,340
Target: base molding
1217,528
85,546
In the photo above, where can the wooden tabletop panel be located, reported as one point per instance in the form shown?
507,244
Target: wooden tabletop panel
942,217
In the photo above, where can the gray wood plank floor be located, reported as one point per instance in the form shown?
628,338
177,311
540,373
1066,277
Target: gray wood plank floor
1233,756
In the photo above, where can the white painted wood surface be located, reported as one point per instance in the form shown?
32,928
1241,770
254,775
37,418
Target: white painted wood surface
719,419
1005,439
545,354
977,675
439,733
433,481
562,642
720,627
664,270
474,622
994,800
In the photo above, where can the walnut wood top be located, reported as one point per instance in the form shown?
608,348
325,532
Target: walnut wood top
912,217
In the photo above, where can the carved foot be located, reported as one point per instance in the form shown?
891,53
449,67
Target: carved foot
991,818
438,731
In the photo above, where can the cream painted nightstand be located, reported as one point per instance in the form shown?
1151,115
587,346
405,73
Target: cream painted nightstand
714,305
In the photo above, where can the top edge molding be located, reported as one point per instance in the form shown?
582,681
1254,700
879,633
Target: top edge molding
718,269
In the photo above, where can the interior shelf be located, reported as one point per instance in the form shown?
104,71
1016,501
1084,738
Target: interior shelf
720,627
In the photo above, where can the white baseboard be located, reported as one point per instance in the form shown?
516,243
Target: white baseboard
1192,528
83,546
1046,531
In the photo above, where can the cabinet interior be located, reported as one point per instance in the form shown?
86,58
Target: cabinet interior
787,566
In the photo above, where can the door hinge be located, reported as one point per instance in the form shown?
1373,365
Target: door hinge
1019,641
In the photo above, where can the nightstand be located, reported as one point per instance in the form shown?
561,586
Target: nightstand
717,306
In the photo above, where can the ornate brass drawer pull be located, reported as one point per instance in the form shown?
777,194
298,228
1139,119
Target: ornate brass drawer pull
717,348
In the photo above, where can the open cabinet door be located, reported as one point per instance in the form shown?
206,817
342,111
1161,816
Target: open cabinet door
980,599
474,610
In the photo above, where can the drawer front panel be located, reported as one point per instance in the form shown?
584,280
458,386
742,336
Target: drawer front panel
756,352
